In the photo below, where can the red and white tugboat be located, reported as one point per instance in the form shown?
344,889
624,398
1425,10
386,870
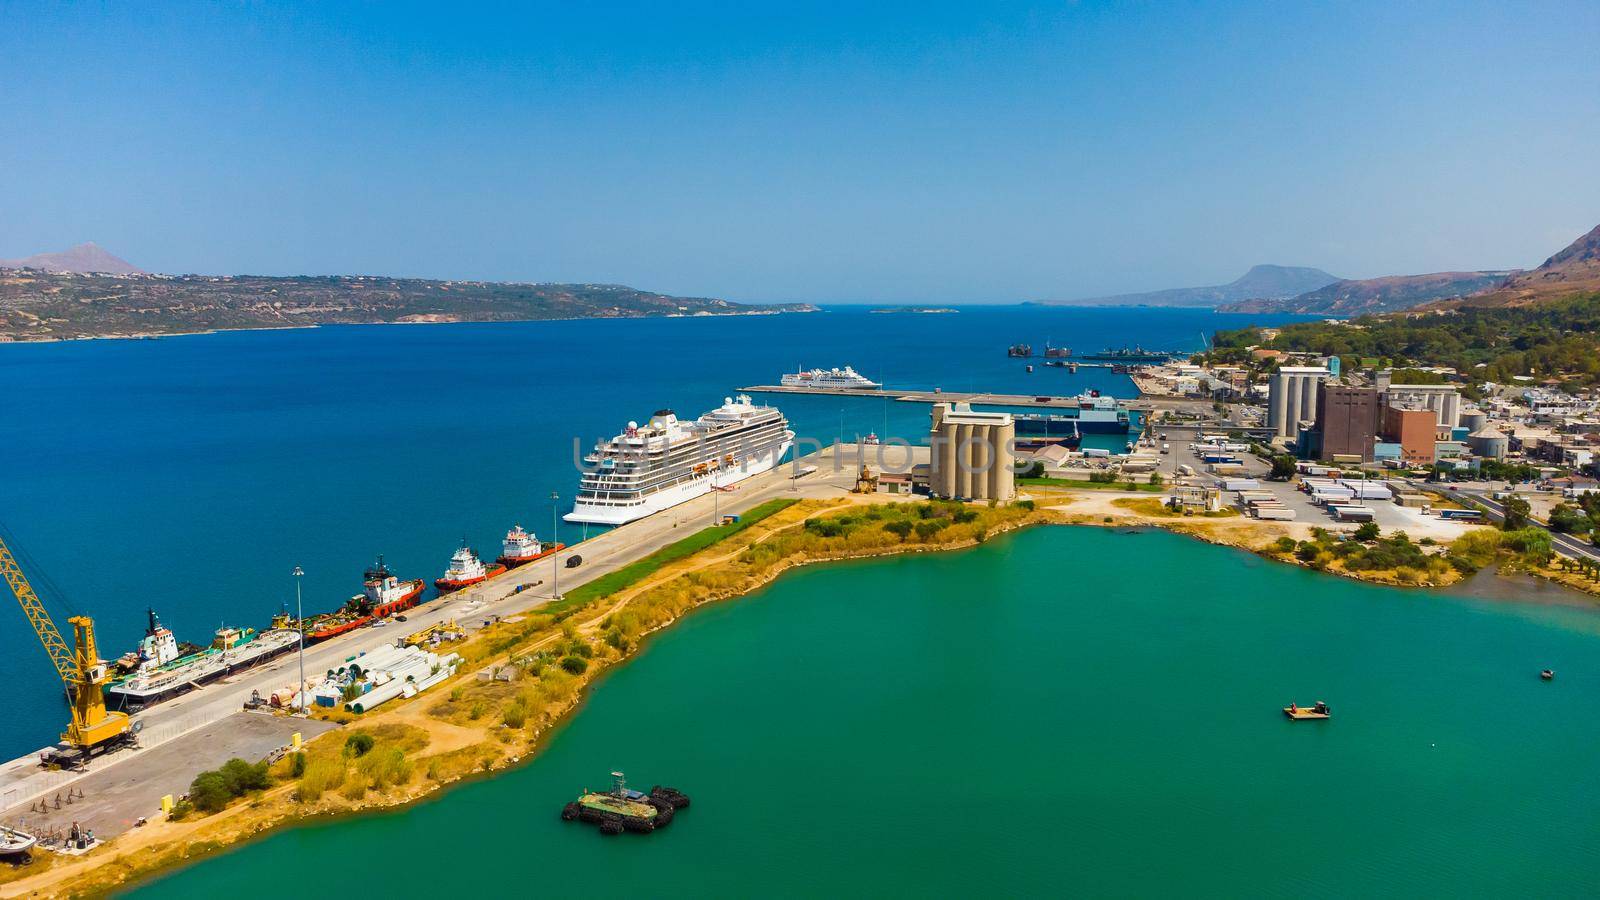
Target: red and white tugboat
466,570
385,594
521,548
382,595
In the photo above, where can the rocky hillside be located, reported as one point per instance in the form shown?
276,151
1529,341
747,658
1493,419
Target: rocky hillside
1264,281
1575,270
43,305
1353,297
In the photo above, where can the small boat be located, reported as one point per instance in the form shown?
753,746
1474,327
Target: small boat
15,845
1548,674
1317,711
871,440
466,570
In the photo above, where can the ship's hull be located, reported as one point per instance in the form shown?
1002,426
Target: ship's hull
262,649
666,498
511,562
448,585
338,627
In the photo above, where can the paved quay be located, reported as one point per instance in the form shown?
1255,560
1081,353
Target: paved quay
1041,401
184,722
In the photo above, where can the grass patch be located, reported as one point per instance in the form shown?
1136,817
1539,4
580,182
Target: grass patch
1158,509
635,572
1087,485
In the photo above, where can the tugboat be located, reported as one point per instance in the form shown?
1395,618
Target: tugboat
1297,712
621,809
382,595
466,570
521,548
1019,351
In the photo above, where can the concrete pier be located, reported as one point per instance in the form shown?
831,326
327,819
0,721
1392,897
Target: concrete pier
183,737
991,398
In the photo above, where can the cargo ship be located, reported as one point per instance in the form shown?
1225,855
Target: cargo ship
521,548
1092,413
382,595
466,570
1056,352
1131,355
163,671
1019,351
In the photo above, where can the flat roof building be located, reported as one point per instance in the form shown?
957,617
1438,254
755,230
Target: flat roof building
1347,417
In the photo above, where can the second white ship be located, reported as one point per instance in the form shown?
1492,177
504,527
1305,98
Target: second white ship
648,468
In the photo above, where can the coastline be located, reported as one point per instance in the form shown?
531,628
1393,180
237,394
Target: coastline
12,340
463,742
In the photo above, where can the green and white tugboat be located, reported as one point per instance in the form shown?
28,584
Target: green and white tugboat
621,809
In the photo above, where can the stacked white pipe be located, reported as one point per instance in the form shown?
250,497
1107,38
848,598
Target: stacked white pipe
400,671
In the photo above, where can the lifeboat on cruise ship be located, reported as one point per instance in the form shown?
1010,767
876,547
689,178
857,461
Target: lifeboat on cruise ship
466,570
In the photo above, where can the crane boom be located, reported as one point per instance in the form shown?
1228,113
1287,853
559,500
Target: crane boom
93,729
61,655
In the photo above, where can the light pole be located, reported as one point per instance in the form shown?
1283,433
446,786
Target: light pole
300,626
555,568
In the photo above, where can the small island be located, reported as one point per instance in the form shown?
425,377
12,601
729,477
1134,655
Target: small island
922,310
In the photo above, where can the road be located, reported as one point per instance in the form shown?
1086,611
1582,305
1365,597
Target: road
22,781
1564,543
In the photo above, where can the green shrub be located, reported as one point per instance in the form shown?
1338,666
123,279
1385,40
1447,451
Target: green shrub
297,765
899,527
357,745
574,665
209,792
242,777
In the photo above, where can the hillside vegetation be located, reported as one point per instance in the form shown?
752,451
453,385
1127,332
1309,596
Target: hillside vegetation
1557,338
39,305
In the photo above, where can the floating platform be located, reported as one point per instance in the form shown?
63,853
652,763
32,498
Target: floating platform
621,809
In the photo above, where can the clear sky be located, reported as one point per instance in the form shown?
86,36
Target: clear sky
845,151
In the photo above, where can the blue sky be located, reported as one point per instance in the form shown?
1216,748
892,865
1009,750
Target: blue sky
886,152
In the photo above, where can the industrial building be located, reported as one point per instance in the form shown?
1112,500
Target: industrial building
1292,398
1443,399
972,454
1415,429
1347,418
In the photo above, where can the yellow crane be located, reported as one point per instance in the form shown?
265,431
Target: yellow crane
93,727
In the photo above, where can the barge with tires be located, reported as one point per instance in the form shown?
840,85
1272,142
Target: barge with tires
621,809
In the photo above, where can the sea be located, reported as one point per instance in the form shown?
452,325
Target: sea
1063,710
190,475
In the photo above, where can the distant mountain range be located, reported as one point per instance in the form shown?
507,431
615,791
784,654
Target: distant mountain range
1351,297
1264,281
46,297
84,258
1575,270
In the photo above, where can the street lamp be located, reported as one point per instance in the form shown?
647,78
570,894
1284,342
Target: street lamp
300,626
555,569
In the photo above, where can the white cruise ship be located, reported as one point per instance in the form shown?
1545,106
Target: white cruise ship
649,468
830,378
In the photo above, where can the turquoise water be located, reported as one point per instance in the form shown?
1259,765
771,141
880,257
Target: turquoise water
192,474
1059,712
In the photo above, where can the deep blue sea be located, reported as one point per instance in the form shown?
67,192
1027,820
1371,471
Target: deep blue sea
193,473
